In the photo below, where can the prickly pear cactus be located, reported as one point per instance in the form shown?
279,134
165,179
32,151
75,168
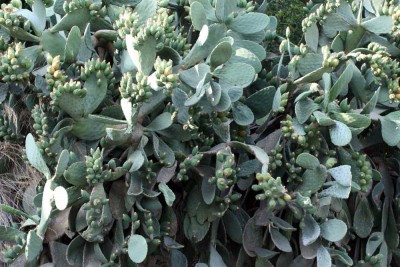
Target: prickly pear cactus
191,133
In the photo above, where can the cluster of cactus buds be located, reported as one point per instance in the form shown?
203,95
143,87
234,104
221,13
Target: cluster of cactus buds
225,171
117,253
148,171
158,26
138,91
228,201
94,167
384,68
12,21
100,69
188,16
165,77
377,48
394,89
127,23
4,44
303,50
55,76
14,68
311,141
14,4
396,26
331,60
166,225
178,42
95,218
288,128
272,189
41,128
275,157
96,8
112,165
387,9
201,139
191,161
379,63
374,261
293,169
6,131
194,116
248,6
271,78
217,118
284,98
199,127
364,170
148,224
72,87
320,14
133,219
239,133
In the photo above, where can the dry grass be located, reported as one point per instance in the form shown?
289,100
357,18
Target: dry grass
19,116
17,177
18,174
11,116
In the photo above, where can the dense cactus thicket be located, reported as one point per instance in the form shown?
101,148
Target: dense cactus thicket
191,133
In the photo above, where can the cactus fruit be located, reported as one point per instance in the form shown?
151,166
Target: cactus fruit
14,68
138,90
42,129
6,130
272,190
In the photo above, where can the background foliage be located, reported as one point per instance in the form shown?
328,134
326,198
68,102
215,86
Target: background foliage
289,14
192,133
